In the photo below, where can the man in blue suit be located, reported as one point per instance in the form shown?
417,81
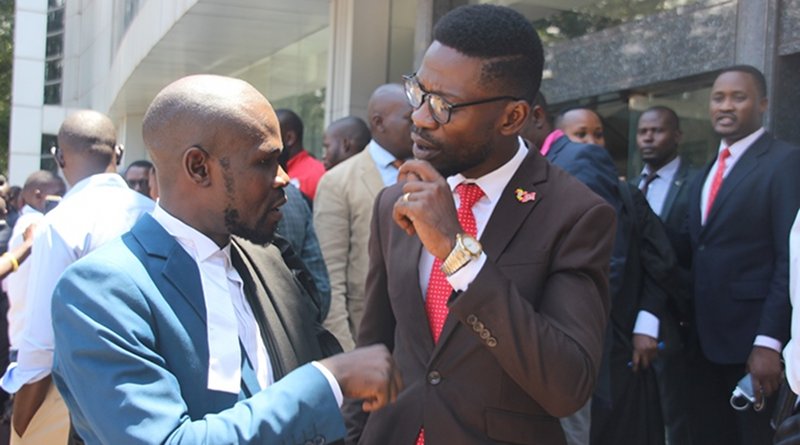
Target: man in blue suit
740,212
186,329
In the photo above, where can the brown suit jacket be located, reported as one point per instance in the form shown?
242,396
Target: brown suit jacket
521,346
342,213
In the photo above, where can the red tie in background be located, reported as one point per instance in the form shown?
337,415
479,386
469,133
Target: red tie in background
717,182
439,288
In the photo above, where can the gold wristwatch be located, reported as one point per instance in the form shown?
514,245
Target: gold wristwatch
467,249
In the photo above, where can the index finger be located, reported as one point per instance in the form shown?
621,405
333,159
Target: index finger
416,170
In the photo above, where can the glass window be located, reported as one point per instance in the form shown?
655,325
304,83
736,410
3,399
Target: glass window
52,70
55,46
52,94
55,20
48,162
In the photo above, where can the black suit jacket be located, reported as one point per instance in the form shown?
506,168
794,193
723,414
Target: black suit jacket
740,256
521,346
676,204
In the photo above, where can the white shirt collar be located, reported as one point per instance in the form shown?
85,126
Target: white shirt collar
738,148
100,179
667,171
380,155
494,182
197,244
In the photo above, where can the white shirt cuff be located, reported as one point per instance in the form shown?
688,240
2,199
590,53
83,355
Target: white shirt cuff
768,342
646,324
337,391
461,280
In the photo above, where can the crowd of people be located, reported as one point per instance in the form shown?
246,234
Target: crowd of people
464,266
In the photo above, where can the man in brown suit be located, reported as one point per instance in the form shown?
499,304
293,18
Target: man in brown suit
494,338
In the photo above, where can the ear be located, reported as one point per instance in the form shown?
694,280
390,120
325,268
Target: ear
514,118
678,137
377,122
196,164
538,117
348,145
291,139
762,105
119,149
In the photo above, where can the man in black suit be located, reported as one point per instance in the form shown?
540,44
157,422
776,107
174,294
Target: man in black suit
665,183
740,213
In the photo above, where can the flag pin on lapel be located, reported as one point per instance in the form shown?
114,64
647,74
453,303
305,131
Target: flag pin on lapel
524,196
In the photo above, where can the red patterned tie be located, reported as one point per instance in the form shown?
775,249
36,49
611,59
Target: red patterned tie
717,182
439,288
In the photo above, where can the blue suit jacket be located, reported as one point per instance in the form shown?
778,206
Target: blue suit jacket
740,256
132,362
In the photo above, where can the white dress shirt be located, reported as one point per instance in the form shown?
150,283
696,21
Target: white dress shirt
96,210
15,284
659,187
383,161
229,316
791,355
737,150
492,184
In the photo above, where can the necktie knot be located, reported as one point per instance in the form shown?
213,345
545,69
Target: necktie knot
724,154
468,194
397,163
648,178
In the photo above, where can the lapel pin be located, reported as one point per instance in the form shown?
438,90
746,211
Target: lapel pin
524,196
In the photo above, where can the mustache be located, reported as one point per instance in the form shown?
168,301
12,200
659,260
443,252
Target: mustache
422,134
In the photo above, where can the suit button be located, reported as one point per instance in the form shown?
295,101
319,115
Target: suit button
491,342
701,247
477,327
472,319
434,378
485,334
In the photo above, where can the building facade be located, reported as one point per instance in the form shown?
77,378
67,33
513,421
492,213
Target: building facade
323,58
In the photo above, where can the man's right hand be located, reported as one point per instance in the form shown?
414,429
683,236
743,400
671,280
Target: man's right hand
27,402
367,373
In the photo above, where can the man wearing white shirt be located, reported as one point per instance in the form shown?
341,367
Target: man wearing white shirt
193,327
39,186
740,213
98,208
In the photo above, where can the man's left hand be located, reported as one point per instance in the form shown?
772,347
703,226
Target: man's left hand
764,366
427,208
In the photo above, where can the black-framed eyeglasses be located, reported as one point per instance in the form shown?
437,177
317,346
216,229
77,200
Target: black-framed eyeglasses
438,106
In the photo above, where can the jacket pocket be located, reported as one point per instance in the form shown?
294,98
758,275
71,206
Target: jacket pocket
749,290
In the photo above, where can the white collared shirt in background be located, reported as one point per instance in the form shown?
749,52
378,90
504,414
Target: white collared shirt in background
737,150
16,283
659,187
383,162
96,210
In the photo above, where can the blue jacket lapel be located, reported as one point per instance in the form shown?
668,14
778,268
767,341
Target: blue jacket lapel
172,270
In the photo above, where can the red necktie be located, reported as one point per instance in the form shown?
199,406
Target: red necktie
439,288
717,182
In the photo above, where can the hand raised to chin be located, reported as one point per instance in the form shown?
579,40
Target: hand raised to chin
427,208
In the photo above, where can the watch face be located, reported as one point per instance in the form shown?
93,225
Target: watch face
471,244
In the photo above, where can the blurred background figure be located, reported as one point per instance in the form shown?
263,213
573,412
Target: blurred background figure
344,138
582,125
138,176
303,169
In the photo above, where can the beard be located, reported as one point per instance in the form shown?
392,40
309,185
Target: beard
262,234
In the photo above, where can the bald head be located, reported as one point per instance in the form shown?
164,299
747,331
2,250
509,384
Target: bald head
39,185
87,145
389,116
215,143
189,113
343,139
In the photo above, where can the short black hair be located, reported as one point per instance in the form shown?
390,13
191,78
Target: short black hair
672,116
508,44
140,163
357,129
289,120
755,73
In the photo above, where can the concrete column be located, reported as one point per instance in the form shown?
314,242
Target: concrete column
358,57
757,42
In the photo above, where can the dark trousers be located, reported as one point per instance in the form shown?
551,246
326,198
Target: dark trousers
673,382
712,420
